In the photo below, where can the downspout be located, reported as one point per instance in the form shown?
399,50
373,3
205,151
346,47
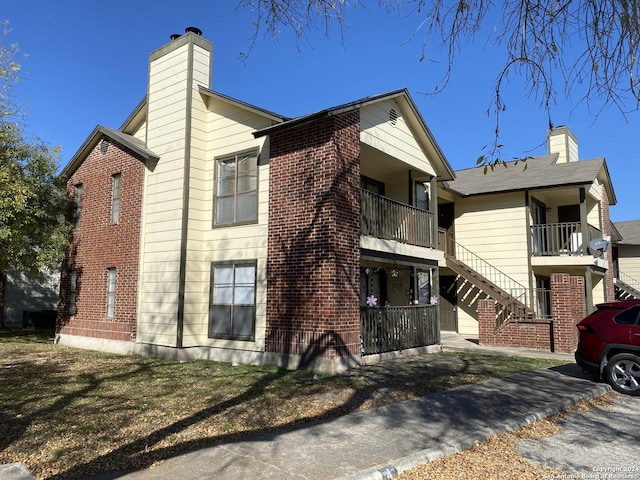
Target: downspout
531,275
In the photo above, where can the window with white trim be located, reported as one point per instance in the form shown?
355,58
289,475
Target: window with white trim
73,287
111,292
115,197
232,309
236,197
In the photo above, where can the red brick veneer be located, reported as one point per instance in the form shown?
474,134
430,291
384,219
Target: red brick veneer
98,244
314,239
568,307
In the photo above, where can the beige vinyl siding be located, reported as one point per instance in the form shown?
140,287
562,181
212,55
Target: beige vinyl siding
396,140
493,228
629,261
200,202
229,130
594,204
141,132
162,226
598,291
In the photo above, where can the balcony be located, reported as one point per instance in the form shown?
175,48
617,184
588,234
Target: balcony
387,219
556,239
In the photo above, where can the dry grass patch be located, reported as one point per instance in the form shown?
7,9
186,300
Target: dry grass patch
68,413
497,458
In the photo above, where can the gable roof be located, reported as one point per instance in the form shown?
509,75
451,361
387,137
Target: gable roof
132,143
629,231
541,172
207,92
405,102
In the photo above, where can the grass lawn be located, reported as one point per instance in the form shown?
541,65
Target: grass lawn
68,413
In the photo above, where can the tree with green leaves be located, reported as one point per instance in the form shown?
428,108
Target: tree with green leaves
587,49
33,202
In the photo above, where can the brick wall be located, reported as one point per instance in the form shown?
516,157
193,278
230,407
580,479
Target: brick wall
568,307
99,244
532,334
314,239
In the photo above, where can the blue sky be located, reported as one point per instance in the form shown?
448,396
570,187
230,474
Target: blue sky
87,65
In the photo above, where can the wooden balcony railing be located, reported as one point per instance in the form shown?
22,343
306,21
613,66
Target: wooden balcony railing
390,220
562,239
389,329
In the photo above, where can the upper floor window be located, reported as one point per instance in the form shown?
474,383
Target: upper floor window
236,197
78,205
115,197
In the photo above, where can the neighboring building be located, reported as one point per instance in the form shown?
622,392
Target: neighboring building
510,230
29,300
627,259
210,228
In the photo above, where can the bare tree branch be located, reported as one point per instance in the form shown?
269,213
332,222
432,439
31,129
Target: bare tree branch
583,48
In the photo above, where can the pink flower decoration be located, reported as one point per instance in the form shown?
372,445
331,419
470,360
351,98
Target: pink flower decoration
372,301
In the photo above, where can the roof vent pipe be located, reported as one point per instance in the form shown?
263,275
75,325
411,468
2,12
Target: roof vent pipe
175,36
195,30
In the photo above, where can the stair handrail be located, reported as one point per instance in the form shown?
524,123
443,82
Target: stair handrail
490,272
632,282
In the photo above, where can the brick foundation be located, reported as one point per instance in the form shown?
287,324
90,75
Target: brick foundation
314,239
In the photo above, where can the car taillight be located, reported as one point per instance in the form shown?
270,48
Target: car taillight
583,327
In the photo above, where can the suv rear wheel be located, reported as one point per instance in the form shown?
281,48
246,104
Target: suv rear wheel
622,372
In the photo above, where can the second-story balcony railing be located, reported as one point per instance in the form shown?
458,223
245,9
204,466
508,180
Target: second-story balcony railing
562,238
390,220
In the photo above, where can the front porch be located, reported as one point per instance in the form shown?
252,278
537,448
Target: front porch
390,329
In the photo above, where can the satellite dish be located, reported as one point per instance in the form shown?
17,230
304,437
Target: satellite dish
598,246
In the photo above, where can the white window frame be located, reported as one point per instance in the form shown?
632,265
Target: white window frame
112,275
116,194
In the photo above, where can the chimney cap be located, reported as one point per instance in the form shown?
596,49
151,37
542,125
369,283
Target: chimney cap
195,30
174,36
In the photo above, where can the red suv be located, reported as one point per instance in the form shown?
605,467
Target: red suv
609,345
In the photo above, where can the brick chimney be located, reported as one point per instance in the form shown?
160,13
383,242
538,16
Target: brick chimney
562,141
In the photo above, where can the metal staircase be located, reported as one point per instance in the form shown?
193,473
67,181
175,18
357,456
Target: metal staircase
510,296
626,288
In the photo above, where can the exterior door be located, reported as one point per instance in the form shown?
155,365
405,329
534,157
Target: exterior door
373,282
448,302
539,218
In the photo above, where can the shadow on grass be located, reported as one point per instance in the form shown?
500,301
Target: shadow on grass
369,386
376,382
20,335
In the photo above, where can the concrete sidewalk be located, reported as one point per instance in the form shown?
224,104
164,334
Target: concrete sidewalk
382,442
379,443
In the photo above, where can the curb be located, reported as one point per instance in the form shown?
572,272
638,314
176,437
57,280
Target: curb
415,459
15,471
